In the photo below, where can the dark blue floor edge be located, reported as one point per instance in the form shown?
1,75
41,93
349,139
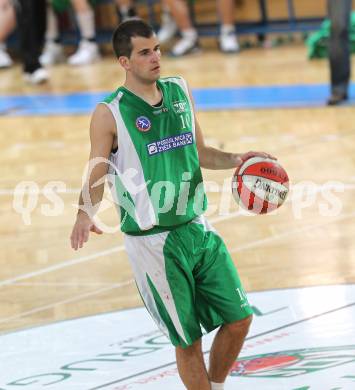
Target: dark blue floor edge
206,99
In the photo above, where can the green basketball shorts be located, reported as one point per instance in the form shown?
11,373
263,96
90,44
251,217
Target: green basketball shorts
186,279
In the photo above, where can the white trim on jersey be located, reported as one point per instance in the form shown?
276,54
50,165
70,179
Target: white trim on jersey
125,160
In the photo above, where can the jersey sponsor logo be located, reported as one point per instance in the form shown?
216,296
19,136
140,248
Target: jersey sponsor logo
143,123
180,106
170,143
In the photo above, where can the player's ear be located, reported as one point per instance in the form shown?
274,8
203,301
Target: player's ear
124,62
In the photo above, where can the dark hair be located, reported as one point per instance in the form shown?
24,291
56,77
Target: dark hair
121,40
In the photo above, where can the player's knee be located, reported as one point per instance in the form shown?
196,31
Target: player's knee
241,327
191,349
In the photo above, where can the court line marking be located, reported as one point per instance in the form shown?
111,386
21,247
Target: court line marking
247,339
68,263
69,300
276,237
78,297
83,259
64,264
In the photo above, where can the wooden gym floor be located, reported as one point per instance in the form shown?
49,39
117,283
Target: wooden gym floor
43,281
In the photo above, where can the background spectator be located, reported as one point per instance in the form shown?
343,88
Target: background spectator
126,9
339,49
32,26
87,51
7,24
168,27
188,43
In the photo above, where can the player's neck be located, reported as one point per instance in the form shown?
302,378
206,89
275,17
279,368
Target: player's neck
148,92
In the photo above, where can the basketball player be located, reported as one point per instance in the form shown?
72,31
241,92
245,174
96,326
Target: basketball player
183,270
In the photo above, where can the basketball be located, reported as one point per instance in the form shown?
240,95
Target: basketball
260,185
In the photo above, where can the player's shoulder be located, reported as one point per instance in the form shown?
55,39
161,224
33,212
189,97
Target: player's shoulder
114,96
102,118
173,79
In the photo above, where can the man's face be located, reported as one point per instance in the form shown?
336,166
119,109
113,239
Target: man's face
144,63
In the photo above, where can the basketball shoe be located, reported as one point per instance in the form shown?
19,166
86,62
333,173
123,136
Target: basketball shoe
39,76
168,28
228,41
187,44
5,59
52,54
87,53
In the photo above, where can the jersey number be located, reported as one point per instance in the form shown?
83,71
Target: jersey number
185,120
242,294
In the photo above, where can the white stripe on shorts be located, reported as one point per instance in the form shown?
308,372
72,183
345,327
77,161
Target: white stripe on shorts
146,256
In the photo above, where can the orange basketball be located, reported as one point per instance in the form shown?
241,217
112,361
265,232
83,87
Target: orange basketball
260,185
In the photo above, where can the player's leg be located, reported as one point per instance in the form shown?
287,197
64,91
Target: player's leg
189,39
339,49
53,50
164,277
168,27
31,23
88,50
192,368
228,39
126,10
7,24
221,300
226,348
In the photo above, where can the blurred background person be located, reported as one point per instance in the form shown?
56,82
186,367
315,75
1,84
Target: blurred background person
188,43
88,49
32,27
7,25
168,28
126,10
339,49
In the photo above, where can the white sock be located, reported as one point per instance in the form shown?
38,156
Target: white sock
217,386
86,22
226,29
52,32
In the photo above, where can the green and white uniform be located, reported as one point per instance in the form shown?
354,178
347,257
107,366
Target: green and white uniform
182,267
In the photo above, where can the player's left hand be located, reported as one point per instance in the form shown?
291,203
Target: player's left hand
239,158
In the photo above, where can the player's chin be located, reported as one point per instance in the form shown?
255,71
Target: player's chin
155,72
156,76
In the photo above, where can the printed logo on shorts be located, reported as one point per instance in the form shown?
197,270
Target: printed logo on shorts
143,123
170,143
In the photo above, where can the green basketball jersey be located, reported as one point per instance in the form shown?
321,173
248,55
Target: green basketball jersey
156,171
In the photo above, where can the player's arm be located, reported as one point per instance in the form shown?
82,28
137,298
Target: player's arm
212,158
102,133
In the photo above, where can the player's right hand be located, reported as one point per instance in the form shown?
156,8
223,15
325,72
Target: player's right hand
81,230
